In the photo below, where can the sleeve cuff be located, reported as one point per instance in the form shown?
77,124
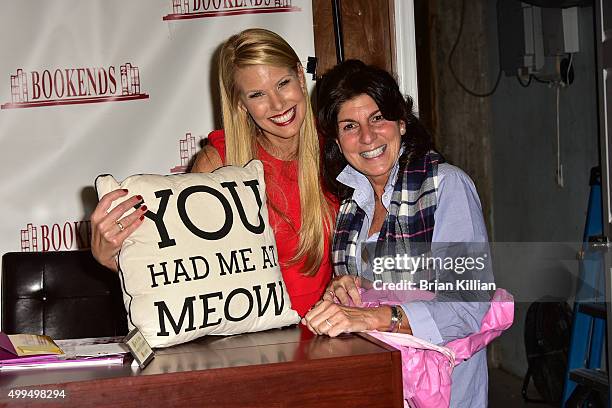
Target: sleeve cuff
421,322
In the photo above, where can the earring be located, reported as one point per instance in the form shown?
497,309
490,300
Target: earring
402,130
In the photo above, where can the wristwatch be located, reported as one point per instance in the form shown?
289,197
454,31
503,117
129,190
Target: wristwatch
396,319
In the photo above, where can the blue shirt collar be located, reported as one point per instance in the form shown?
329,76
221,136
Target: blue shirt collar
363,193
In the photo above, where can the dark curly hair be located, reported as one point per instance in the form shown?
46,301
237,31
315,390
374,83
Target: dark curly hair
346,81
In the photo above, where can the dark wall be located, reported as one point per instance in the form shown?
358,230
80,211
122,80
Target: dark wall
528,205
507,142
524,151
461,123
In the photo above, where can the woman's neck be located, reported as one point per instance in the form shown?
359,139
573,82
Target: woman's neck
378,184
281,148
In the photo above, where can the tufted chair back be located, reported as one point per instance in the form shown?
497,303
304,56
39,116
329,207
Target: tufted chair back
65,294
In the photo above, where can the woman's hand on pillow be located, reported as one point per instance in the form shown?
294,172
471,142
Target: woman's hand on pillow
110,228
333,319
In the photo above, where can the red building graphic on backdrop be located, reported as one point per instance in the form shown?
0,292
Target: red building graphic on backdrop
70,86
19,87
180,6
130,80
187,148
184,9
29,239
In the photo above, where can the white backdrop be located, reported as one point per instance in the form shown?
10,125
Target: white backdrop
109,86
69,113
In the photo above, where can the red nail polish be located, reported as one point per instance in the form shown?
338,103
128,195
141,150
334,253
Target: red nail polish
141,217
143,208
139,197
125,190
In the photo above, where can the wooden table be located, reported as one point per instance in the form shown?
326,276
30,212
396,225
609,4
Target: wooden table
272,369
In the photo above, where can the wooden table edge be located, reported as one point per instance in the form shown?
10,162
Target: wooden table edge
396,361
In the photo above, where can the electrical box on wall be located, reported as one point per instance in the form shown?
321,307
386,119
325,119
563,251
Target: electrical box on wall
560,31
537,41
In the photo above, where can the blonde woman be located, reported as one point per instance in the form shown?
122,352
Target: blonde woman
267,116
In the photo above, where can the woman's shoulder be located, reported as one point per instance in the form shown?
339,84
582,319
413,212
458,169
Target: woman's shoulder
458,211
449,174
216,139
447,169
455,184
212,155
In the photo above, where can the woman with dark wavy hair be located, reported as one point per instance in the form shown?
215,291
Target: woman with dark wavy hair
399,196
347,81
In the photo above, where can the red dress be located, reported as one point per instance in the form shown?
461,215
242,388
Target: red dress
283,193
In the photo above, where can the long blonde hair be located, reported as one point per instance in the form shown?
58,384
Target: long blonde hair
262,47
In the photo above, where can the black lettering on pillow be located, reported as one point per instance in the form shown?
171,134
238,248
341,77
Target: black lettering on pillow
163,272
211,236
266,258
163,311
273,296
158,218
208,310
193,260
254,184
271,293
245,259
273,252
179,270
228,302
225,268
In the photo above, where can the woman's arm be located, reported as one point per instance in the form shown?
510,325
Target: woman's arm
333,319
458,219
207,160
328,317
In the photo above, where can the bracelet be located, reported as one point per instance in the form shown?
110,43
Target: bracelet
401,319
395,319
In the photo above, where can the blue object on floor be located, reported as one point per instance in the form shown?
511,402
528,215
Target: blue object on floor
584,377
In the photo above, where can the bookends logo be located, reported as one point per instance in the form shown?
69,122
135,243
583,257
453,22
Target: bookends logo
187,149
69,86
188,9
56,237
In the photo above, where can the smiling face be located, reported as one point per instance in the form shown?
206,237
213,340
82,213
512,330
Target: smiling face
274,98
368,141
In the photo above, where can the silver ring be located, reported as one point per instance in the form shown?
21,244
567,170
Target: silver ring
332,293
120,225
328,323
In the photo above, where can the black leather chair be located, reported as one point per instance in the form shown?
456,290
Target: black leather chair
65,294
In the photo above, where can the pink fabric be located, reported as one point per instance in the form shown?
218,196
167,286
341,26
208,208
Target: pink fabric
427,368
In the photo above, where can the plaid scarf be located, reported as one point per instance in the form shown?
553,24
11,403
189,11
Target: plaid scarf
410,220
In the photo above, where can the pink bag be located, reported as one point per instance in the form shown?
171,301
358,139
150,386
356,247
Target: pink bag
427,368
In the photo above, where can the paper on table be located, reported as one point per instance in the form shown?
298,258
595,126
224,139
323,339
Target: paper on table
85,362
31,359
78,353
93,350
33,344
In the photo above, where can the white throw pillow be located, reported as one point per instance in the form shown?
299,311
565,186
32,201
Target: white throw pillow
204,260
